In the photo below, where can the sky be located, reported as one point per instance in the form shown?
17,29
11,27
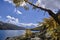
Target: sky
21,17
53,5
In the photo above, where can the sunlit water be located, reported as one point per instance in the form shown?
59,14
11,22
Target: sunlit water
10,33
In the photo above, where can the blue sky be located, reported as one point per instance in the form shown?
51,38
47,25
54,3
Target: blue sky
30,16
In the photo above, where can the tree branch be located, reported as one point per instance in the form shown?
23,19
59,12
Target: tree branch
55,17
49,11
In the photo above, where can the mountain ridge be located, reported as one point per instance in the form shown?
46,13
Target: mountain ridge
9,26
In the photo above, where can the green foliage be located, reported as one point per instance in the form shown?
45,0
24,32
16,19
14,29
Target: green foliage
28,33
21,3
58,28
18,2
25,0
53,28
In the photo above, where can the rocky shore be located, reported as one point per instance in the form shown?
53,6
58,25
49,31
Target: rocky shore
13,38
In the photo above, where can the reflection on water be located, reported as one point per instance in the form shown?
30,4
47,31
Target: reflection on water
10,33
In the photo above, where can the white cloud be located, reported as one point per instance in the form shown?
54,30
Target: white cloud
53,5
38,3
28,24
17,11
15,21
8,17
12,20
10,1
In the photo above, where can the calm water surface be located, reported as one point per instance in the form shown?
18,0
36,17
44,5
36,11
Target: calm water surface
10,33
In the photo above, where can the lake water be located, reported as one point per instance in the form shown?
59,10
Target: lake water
10,33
